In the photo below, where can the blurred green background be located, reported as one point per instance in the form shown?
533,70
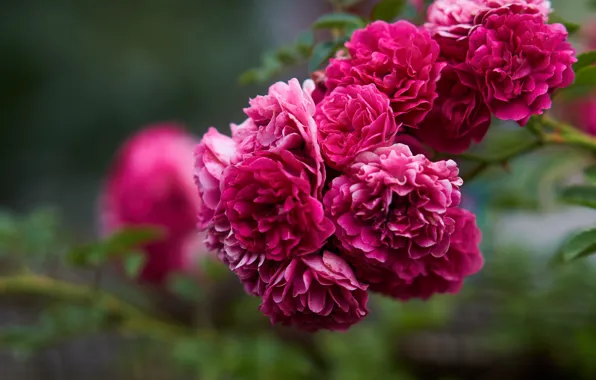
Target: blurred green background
78,77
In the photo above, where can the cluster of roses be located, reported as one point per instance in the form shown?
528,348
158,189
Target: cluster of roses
318,197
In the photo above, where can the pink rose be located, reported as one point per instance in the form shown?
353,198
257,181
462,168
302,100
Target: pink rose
432,275
581,113
516,61
150,183
212,156
270,200
315,292
390,206
400,59
351,120
458,117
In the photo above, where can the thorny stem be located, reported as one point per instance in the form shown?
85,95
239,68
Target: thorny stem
546,130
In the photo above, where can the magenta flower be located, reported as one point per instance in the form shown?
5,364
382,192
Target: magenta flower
150,183
459,116
270,200
390,206
315,292
283,120
212,156
543,6
430,275
400,59
517,61
351,120
581,113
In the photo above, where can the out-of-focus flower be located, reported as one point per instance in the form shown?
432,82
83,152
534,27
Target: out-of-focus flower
351,120
271,202
315,292
431,275
400,59
212,155
391,205
459,116
150,183
516,61
581,113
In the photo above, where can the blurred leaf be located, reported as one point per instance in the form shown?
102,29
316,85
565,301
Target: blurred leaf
133,263
570,26
387,10
321,53
185,287
580,195
339,21
584,60
214,268
345,3
274,62
590,173
579,245
121,244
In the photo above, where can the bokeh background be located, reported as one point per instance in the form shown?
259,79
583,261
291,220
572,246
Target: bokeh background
79,77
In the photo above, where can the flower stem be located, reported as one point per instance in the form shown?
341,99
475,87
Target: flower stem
124,317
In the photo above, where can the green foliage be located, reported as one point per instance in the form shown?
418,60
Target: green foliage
387,10
570,26
122,243
579,245
321,53
585,81
338,21
583,195
584,60
590,174
133,263
185,287
274,62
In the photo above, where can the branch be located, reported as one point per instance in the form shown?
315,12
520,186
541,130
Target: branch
567,134
126,317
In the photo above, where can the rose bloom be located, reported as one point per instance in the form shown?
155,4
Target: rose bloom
270,200
351,120
150,184
450,22
431,275
212,156
516,61
392,205
400,59
459,116
316,292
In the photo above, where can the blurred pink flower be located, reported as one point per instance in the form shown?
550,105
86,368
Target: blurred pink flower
459,116
271,202
431,275
351,120
391,205
150,183
400,59
315,292
516,61
212,155
581,113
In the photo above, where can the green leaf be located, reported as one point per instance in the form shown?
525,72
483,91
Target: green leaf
585,81
185,287
121,244
321,53
579,245
584,60
133,263
338,20
570,26
387,10
590,173
580,195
